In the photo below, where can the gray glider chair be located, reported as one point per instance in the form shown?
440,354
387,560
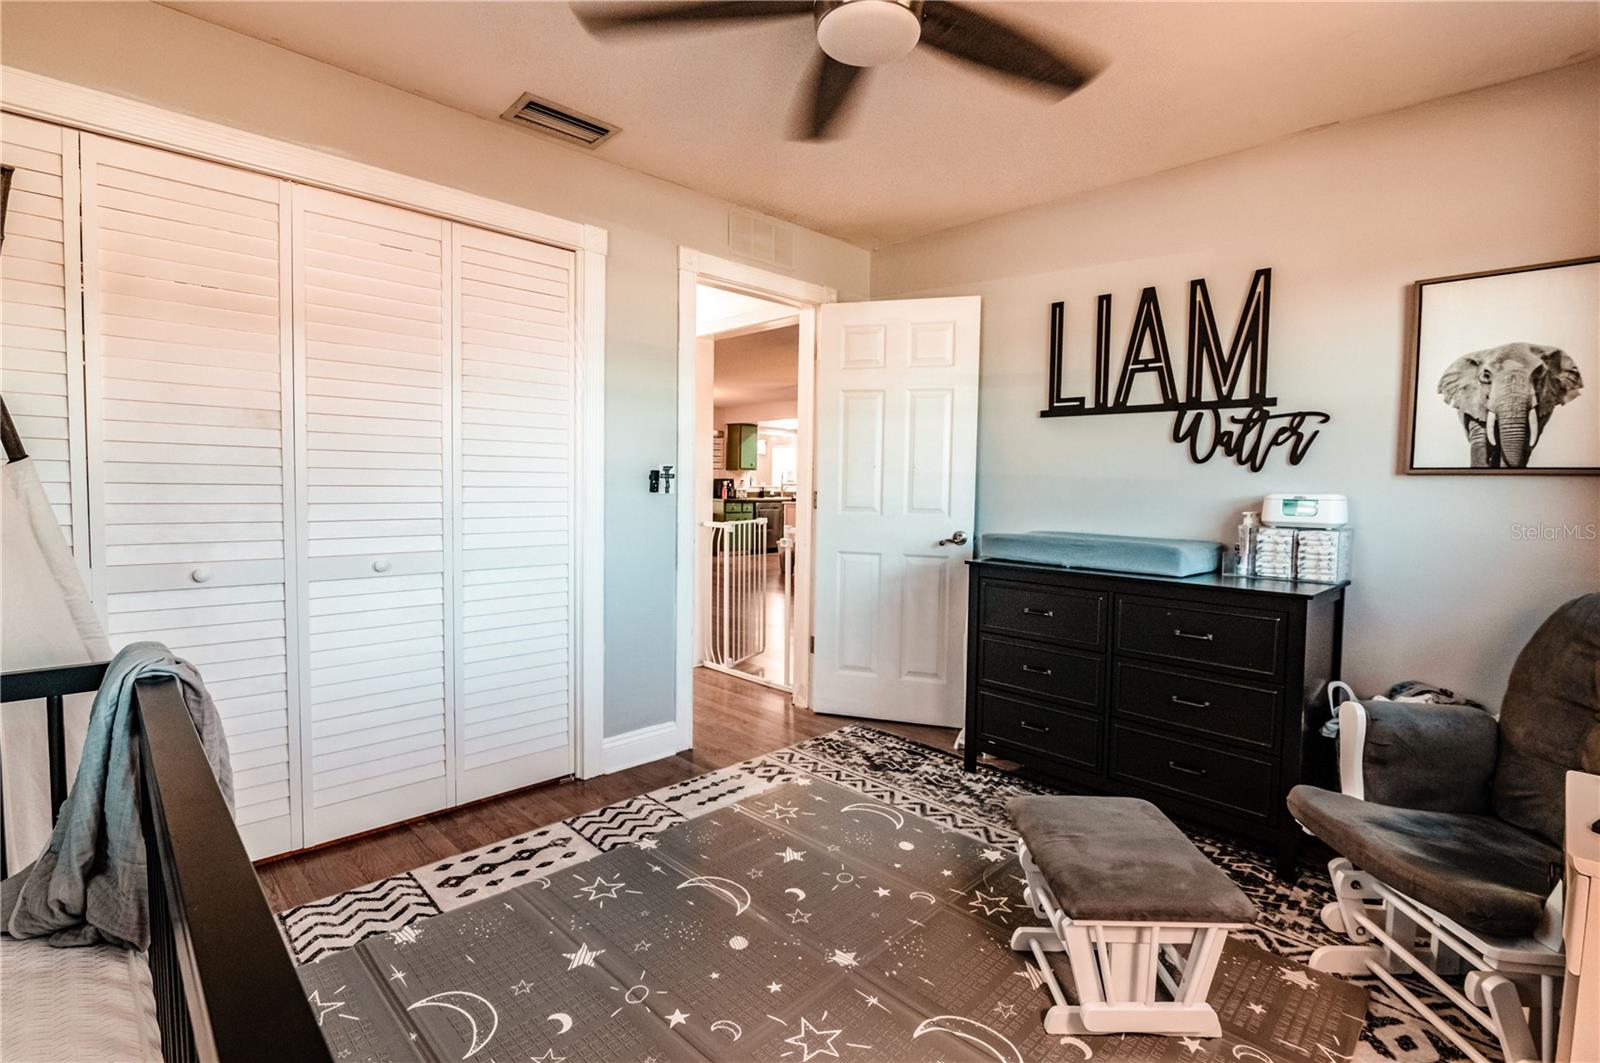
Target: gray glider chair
1449,828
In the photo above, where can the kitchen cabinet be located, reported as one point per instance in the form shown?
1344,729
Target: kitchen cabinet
740,447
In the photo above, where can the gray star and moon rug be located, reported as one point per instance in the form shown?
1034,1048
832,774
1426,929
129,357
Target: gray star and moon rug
847,899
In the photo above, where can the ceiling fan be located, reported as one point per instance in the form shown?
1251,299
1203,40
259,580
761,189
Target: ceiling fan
855,35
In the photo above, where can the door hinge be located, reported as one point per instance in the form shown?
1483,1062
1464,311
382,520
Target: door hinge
813,644
813,498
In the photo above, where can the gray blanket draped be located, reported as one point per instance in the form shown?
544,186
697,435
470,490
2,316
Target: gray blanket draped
90,885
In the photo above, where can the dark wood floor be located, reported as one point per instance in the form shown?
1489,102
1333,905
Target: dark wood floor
734,720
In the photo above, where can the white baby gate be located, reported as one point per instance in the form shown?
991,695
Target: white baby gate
736,601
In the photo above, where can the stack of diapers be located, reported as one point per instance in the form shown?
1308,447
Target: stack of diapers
1322,555
1274,553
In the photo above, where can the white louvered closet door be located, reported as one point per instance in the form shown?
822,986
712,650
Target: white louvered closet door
371,296
41,329
515,420
187,353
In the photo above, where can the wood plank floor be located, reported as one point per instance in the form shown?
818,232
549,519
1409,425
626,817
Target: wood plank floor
734,720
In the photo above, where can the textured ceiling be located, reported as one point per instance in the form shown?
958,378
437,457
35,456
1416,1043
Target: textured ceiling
935,143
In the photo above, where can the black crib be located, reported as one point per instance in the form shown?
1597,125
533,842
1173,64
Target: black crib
225,987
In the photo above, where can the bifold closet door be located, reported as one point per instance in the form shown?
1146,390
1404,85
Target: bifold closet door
371,298
514,427
186,328
41,329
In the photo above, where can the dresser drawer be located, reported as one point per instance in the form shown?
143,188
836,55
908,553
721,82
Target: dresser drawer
1238,783
1070,737
1042,670
1071,618
1202,704
1239,640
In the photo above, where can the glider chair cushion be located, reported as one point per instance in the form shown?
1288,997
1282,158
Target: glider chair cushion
1480,871
1465,813
1437,758
1550,719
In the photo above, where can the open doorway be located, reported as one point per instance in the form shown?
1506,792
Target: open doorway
746,347
746,550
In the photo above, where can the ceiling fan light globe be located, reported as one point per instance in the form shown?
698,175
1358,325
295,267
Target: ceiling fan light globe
868,32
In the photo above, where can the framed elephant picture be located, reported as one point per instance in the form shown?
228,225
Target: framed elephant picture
1504,374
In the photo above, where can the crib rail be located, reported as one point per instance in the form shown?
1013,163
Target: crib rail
225,986
51,685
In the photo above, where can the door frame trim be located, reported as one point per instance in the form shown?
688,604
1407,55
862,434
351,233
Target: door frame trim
84,109
694,267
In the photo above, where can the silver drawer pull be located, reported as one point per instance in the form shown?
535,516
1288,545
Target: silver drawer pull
1037,612
1175,766
1035,670
1037,727
1182,634
1191,704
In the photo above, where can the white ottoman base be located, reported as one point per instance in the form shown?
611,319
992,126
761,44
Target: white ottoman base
1131,977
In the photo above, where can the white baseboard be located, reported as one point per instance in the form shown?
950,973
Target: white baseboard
640,746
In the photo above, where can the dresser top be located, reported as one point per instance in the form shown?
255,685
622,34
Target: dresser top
1210,581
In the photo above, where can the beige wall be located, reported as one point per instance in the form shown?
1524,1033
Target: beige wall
171,60
1347,217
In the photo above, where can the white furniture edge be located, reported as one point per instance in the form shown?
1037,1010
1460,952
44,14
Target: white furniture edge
642,745
90,110
692,266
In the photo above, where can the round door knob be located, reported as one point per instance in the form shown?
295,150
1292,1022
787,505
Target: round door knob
381,565
201,574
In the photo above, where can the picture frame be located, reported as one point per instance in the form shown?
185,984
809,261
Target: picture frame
1502,374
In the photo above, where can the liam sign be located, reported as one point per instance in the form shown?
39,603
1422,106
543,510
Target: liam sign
1224,406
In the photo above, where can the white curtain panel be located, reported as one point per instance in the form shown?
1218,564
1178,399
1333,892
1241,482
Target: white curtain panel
47,619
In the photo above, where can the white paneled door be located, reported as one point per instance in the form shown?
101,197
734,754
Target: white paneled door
515,421
187,378
371,331
897,435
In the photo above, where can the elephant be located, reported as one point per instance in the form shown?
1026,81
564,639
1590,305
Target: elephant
1505,396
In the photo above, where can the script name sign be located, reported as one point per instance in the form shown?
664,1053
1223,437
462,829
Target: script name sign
1224,406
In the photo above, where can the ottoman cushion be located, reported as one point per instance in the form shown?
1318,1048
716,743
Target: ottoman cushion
1118,859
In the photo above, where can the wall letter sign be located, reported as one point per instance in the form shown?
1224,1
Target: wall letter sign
1216,380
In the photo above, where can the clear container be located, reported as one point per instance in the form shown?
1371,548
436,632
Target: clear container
1273,557
1322,555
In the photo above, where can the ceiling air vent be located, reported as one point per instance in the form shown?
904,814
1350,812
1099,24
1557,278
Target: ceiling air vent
553,120
762,239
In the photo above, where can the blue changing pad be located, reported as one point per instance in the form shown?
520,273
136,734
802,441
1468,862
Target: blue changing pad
1107,553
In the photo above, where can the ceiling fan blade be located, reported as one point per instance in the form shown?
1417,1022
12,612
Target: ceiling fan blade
615,17
831,87
962,31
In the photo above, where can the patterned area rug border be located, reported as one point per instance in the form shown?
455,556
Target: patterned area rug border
904,774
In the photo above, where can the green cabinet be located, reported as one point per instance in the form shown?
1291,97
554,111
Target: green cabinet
740,447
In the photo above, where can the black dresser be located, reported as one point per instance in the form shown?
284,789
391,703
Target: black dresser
1203,695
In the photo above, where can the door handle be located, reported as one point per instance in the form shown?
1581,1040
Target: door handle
957,539
1182,634
1191,704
